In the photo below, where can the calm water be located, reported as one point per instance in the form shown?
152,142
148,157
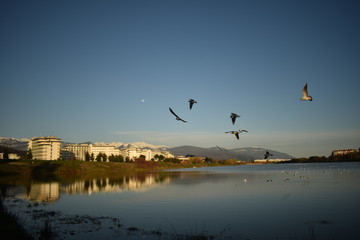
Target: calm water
283,201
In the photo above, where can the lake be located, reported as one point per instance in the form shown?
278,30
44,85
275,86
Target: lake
269,201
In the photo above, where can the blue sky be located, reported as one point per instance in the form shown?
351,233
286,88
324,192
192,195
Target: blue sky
109,70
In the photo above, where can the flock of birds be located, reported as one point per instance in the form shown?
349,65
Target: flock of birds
233,116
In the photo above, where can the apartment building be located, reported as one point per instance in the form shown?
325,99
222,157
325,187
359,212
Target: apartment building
344,151
75,151
45,148
108,149
78,151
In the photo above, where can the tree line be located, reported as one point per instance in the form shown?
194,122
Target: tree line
349,157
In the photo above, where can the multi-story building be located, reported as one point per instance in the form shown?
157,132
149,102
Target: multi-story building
150,154
78,151
344,151
108,149
75,151
45,148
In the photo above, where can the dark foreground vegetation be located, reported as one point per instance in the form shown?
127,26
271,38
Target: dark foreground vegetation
11,227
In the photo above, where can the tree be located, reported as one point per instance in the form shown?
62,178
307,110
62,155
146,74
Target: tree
159,158
87,156
6,155
92,157
29,155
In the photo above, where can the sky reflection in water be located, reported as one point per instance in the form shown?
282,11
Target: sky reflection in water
254,201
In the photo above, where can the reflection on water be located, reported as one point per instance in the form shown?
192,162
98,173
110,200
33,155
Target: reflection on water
44,192
51,191
286,201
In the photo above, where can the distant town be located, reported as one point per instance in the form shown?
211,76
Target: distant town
49,148
52,148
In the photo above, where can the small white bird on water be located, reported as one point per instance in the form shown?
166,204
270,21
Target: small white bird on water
305,94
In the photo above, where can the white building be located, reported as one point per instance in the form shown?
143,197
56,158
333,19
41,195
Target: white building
103,148
78,151
45,148
344,151
10,155
75,151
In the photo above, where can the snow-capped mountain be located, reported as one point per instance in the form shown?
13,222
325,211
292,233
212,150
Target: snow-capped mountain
15,143
142,145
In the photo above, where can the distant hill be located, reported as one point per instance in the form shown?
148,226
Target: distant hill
243,154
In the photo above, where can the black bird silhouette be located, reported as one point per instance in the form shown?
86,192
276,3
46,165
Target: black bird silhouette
177,117
192,101
219,147
233,117
267,154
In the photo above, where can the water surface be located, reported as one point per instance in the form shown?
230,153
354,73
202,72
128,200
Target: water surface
275,201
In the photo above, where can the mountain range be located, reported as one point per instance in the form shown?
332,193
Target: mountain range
243,154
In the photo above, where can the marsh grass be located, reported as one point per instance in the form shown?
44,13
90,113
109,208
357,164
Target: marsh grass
79,224
47,232
11,225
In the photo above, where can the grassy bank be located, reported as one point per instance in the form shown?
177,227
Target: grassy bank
68,169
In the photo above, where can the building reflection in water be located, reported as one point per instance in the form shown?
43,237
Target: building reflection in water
51,191
44,192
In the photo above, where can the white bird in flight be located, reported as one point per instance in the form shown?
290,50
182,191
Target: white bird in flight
305,94
236,133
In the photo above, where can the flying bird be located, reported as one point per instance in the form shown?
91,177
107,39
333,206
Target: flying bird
219,147
177,117
233,117
267,154
305,94
192,101
236,133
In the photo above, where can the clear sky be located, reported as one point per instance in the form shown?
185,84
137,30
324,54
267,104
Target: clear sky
107,71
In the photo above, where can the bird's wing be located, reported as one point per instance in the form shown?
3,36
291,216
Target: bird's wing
173,113
237,135
182,120
191,104
305,91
